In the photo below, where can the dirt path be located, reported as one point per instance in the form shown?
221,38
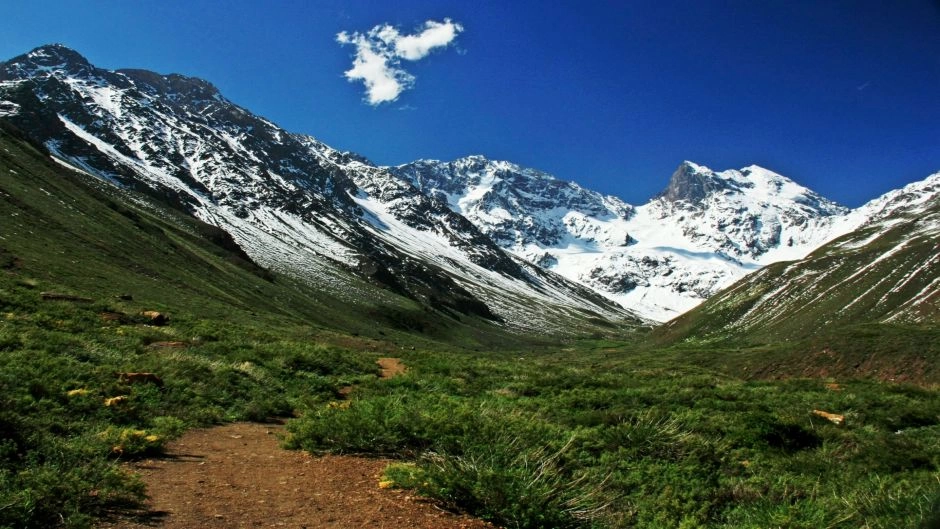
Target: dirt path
237,476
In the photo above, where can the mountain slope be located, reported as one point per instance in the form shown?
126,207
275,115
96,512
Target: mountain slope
65,232
295,205
703,232
68,233
887,272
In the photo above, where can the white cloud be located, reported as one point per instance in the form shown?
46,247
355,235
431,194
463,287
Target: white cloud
380,50
435,34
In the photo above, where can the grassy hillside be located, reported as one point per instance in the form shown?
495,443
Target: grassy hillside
867,304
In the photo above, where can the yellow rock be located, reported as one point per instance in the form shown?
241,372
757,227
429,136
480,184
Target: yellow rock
114,401
831,417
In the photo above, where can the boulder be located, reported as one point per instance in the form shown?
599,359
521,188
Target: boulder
156,318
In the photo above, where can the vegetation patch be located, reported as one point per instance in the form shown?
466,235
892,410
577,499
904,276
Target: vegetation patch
580,439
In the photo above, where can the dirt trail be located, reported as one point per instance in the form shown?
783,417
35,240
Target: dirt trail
237,476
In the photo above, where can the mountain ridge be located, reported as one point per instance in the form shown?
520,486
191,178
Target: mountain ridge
276,191
293,203
704,231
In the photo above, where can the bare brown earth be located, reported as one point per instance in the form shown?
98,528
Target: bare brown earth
237,476
391,367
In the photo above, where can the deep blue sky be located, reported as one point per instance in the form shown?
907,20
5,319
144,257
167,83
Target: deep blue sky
842,96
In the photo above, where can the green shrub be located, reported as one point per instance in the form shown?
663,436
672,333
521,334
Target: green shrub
514,485
130,442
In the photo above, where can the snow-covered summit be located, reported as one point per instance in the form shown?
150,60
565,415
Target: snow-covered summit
699,186
48,59
704,231
515,206
750,214
911,198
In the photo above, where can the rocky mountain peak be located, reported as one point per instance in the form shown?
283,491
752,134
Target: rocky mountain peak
48,58
692,183
57,60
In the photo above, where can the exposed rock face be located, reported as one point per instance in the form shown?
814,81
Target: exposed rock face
692,185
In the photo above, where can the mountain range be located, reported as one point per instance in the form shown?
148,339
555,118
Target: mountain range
887,271
469,238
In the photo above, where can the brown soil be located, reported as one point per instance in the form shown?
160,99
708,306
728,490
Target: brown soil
391,367
826,363
238,476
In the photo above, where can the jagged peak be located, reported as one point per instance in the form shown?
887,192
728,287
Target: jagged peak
50,57
757,168
60,60
910,197
470,159
692,166
354,156
692,183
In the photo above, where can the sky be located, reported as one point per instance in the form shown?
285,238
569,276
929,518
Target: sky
841,96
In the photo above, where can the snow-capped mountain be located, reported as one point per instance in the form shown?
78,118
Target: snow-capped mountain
886,271
471,236
292,203
705,231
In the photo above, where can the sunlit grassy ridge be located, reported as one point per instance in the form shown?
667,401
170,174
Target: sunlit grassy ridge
865,304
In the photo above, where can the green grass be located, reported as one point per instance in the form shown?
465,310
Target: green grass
580,440
60,443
